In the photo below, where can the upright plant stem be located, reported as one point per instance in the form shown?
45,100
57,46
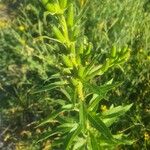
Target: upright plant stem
82,115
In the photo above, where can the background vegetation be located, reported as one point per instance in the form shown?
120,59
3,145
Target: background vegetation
29,58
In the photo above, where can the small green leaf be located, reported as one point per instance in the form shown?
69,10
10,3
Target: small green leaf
59,34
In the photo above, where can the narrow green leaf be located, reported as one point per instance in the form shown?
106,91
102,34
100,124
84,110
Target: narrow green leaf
79,144
103,89
116,111
66,93
50,118
59,34
100,126
96,101
93,142
51,86
101,92
55,114
47,135
66,127
71,136
109,121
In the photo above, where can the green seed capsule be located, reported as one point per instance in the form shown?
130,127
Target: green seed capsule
70,16
124,49
125,56
51,8
80,91
90,47
58,34
105,66
74,81
54,8
63,3
81,48
66,60
74,62
81,71
76,32
113,52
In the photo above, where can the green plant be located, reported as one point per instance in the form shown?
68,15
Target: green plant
77,122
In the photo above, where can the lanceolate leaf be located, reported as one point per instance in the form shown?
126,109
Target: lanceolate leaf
71,136
51,86
116,111
55,114
101,92
103,89
109,121
66,127
65,92
100,126
50,118
59,34
47,135
80,142
95,102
